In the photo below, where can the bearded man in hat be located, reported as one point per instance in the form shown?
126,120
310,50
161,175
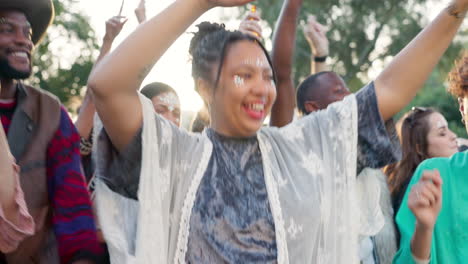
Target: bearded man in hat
45,144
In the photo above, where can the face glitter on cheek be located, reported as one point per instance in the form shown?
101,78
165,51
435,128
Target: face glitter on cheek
238,81
171,100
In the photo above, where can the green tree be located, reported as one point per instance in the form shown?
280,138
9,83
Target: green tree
363,32
63,61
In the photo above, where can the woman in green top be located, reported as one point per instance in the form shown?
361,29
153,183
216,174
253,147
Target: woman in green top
434,230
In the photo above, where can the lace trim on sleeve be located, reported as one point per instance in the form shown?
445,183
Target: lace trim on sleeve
272,187
182,240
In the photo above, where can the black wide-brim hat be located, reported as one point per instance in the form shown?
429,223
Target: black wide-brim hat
40,14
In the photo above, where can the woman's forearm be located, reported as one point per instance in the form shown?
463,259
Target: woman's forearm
421,242
123,70
105,49
404,77
317,67
284,41
84,122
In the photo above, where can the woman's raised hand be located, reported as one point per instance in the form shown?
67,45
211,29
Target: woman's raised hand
250,25
425,199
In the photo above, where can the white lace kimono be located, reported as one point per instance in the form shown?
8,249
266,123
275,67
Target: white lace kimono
310,174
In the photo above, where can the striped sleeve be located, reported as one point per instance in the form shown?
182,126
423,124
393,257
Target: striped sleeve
73,219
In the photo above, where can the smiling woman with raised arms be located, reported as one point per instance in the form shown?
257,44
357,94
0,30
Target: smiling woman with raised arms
240,192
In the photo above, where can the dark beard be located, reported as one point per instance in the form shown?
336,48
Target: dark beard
8,72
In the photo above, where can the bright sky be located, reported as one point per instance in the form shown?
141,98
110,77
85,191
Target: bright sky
174,67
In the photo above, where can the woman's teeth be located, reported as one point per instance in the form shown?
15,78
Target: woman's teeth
257,107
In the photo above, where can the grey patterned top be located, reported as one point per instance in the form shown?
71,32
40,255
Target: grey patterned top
231,221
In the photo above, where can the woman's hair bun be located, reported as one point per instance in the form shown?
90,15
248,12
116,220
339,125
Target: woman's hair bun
204,29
